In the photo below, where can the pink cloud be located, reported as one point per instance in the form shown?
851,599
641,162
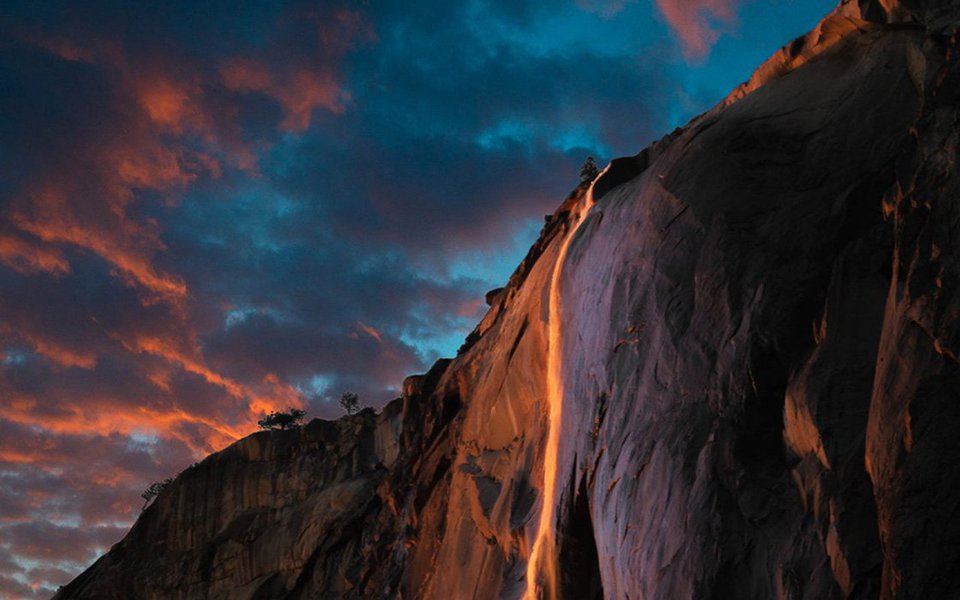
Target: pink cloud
695,23
26,257
299,91
170,121
104,391
370,331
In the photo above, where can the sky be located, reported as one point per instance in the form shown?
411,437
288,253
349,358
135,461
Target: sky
210,212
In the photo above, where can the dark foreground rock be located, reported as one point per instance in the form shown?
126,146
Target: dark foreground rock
759,326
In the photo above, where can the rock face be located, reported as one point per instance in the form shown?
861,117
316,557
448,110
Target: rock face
293,500
727,369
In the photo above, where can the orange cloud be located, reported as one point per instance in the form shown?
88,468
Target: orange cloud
61,355
85,202
187,360
299,91
134,269
106,392
21,456
270,395
693,22
370,331
52,350
101,416
137,152
165,102
27,258
277,395
104,416
127,246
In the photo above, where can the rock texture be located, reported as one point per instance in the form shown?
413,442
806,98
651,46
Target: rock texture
757,327
261,519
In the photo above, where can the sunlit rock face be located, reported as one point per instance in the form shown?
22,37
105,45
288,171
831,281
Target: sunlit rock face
755,391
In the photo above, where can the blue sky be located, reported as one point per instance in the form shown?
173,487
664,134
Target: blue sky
211,212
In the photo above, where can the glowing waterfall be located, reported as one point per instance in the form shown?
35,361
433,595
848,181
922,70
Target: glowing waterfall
543,559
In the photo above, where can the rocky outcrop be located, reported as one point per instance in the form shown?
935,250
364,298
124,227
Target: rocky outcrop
268,515
727,369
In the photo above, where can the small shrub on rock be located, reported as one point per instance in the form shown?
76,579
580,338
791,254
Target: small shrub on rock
283,420
153,490
589,170
350,402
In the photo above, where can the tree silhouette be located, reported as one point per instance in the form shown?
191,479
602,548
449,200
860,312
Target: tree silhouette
153,490
350,402
589,170
293,417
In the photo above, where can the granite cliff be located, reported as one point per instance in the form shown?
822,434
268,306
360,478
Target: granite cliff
727,369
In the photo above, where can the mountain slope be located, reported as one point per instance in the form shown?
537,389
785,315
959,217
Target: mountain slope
727,369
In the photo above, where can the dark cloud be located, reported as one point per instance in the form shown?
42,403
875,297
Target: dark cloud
43,540
15,589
